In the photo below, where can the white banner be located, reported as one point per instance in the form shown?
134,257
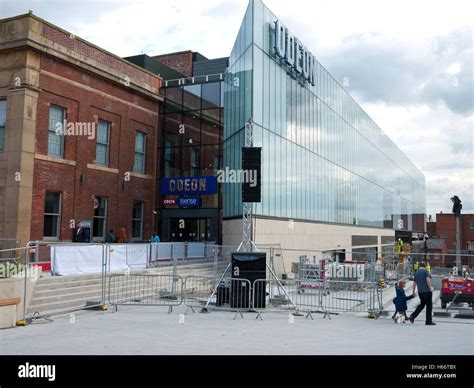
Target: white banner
87,259
81,259
76,259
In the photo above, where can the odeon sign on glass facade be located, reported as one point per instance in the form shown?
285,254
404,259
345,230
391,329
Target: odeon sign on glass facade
296,55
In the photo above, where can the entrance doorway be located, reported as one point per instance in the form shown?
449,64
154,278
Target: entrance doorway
191,230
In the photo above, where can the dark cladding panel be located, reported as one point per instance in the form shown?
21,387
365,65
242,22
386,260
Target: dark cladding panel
359,241
210,67
388,240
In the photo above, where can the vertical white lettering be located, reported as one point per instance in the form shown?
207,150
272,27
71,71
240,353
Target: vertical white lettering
290,48
298,56
280,39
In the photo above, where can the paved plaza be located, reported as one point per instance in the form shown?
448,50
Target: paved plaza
151,330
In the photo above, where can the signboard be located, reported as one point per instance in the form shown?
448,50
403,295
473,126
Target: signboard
206,185
189,202
252,161
296,56
169,201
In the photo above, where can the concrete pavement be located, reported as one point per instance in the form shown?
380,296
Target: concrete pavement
151,330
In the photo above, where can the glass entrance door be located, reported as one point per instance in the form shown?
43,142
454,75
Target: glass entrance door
191,229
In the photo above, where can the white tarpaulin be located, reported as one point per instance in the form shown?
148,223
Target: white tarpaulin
76,259
87,259
123,256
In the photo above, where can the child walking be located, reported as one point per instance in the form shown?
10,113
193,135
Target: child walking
400,301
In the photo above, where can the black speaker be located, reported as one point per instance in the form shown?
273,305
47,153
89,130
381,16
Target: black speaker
250,266
252,162
248,262
223,294
240,293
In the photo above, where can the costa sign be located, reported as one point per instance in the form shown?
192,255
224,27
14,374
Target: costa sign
295,54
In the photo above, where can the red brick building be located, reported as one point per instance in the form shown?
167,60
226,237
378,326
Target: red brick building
182,61
102,166
445,229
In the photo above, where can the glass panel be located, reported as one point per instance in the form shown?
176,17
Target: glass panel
100,214
137,220
52,206
102,147
211,127
192,97
3,112
52,202
55,131
140,142
101,155
211,95
139,165
140,152
3,120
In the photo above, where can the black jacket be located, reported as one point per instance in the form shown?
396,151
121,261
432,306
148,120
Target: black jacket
400,300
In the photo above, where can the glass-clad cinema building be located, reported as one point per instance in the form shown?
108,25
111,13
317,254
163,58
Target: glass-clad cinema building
326,166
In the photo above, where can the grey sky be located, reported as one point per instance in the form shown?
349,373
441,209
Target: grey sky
408,63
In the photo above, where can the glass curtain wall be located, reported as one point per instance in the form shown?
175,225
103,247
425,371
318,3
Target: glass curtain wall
324,159
192,133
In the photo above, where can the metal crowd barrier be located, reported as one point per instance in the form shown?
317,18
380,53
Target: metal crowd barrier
217,293
136,255
10,249
145,290
197,290
271,295
343,296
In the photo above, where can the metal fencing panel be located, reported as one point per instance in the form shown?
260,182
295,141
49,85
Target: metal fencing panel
272,295
344,296
9,249
197,290
218,293
145,290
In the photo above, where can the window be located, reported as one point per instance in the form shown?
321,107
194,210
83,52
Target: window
102,146
471,224
195,162
169,159
57,116
217,162
3,119
52,214
211,95
100,217
137,221
140,152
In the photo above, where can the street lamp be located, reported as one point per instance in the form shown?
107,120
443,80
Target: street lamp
457,207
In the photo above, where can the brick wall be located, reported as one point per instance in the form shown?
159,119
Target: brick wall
446,226
94,53
127,111
181,62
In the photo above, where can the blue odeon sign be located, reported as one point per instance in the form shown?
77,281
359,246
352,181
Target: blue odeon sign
296,56
189,186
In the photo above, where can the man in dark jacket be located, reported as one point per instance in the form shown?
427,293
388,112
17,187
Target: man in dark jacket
400,301
422,280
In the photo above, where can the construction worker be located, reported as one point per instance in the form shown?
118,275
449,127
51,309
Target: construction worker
428,267
416,266
399,246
